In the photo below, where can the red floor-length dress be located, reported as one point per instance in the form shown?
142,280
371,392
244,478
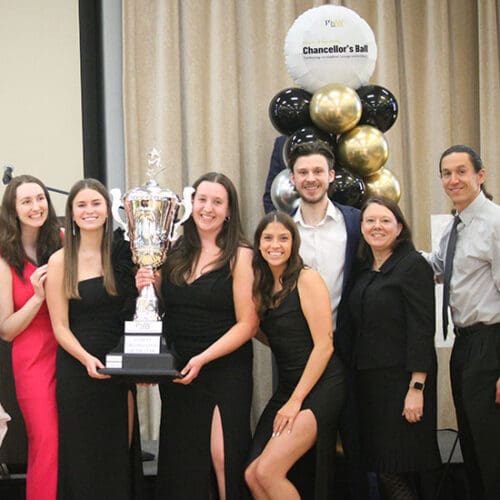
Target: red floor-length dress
34,366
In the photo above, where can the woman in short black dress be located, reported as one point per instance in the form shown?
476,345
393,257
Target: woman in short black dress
303,412
392,305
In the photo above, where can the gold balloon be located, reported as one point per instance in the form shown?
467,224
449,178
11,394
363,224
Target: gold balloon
363,150
335,108
382,183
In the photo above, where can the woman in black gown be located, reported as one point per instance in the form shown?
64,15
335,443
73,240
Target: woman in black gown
90,292
392,305
210,317
302,414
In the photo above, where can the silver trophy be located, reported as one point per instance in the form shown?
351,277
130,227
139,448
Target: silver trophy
151,229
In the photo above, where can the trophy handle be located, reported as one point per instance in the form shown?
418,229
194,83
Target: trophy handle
187,203
116,196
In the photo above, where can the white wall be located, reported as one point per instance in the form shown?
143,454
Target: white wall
40,94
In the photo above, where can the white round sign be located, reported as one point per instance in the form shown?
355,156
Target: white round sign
330,44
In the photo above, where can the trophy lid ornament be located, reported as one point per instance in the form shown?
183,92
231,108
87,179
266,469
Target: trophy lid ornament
154,166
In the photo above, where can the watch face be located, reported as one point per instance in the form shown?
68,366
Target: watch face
418,385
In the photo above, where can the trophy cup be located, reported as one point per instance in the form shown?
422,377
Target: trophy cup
152,228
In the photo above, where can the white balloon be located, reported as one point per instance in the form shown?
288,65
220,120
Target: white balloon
330,44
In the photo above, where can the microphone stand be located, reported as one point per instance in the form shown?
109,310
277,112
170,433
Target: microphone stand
7,177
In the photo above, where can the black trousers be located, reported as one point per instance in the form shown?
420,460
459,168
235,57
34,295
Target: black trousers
474,370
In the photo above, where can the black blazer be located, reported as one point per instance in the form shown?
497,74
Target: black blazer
393,313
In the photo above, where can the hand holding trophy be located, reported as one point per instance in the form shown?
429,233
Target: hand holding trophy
151,228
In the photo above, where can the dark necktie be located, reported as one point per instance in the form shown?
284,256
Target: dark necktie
448,268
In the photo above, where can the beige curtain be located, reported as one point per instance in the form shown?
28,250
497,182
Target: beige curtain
199,75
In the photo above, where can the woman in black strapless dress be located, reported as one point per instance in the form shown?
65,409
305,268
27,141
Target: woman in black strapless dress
210,318
90,293
302,414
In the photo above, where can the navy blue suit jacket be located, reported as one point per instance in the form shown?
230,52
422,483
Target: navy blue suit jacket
343,331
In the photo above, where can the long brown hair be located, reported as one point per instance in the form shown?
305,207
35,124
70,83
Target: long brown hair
187,250
72,241
263,277
11,246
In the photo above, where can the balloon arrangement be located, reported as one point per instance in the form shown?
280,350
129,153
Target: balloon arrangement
330,51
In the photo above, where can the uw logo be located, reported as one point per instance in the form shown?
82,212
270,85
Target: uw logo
334,23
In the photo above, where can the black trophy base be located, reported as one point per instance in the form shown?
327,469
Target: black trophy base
146,368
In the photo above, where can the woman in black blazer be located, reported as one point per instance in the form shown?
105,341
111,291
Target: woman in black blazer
392,306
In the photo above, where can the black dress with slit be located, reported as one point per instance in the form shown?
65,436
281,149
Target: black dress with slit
196,315
95,459
291,343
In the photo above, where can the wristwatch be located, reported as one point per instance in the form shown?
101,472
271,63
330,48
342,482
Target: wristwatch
417,385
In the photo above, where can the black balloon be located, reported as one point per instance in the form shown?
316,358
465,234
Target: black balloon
305,135
289,110
347,188
380,108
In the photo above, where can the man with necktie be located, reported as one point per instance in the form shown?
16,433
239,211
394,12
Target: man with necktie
468,261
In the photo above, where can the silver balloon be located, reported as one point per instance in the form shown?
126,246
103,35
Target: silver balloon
283,194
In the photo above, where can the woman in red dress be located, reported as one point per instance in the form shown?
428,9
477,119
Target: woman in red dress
29,234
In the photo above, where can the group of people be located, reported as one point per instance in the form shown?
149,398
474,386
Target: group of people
388,344
341,296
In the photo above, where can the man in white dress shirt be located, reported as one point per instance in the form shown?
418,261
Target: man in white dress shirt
330,235
474,300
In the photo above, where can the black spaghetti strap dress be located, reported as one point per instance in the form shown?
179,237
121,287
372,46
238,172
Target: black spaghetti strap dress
95,460
196,315
291,343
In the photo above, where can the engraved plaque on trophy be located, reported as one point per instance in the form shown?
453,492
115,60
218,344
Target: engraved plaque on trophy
151,229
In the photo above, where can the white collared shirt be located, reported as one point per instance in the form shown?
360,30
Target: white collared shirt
323,248
475,279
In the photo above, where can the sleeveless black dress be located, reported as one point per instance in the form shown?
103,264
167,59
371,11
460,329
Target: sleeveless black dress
95,461
196,315
291,343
